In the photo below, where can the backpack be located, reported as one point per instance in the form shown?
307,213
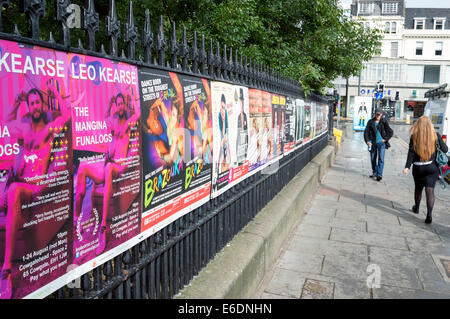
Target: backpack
441,161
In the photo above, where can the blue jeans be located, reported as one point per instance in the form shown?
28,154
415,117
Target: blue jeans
378,152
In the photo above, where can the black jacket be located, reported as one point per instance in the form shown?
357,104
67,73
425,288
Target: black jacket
386,132
413,157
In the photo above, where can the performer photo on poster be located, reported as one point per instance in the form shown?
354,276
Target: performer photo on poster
289,118
222,108
254,146
35,168
163,143
198,139
312,133
107,156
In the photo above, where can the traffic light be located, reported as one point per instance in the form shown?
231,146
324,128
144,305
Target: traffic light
397,95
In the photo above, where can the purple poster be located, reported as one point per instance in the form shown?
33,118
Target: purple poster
35,168
107,155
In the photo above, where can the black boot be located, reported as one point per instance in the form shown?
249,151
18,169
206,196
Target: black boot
415,209
428,220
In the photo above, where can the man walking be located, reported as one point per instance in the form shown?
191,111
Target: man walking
377,135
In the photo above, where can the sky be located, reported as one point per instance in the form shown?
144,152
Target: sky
414,3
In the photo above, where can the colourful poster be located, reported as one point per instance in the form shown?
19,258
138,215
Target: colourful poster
278,116
300,108
198,149
362,113
163,145
254,146
35,168
289,118
307,121
223,115
266,138
107,155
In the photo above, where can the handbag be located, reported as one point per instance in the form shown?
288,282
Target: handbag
441,161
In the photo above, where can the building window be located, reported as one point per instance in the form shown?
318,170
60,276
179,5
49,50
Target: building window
439,47
365,8
415,74
387,27
419,48
394,27
419,24
431,74
447,73
394,49
439,23
393,72
390,7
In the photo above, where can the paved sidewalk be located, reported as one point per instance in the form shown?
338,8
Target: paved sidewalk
357,228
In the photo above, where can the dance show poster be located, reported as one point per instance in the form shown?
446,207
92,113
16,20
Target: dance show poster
266,138
35,168
223,115
255,116
198,141
299,105
107,155
289,118
163,146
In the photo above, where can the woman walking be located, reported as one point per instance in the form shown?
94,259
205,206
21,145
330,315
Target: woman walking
422,153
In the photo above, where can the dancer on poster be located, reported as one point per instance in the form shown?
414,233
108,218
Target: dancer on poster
162,110
107,161
198,139
267,141
35,170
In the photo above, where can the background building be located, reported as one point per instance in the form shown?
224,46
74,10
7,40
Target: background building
415,54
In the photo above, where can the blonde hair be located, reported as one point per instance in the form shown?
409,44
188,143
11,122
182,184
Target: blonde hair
424,138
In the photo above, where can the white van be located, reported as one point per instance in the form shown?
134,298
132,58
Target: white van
438,110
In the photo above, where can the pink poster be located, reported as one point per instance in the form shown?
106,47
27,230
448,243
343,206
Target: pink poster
35,168
107,155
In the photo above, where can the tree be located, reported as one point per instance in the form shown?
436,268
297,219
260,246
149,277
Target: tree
310,41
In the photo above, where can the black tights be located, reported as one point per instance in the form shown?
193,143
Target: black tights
429,193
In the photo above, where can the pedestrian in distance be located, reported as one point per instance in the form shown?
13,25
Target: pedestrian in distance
377,135
422,154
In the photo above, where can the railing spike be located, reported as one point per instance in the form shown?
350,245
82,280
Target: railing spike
131,33
113,28
90,24
34,9
147,38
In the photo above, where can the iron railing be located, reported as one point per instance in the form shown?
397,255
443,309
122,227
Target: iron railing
161,265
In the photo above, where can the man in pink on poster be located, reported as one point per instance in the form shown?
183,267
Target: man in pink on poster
120,120
35,134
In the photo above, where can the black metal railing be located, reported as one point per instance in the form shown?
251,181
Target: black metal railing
161,265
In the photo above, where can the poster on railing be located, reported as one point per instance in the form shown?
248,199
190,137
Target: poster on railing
278,123
266,140
299,106
35,168
107,155
255,135
289,118
198,151
307,122
239,135
163,146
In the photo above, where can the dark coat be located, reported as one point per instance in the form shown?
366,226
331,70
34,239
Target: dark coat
386,132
